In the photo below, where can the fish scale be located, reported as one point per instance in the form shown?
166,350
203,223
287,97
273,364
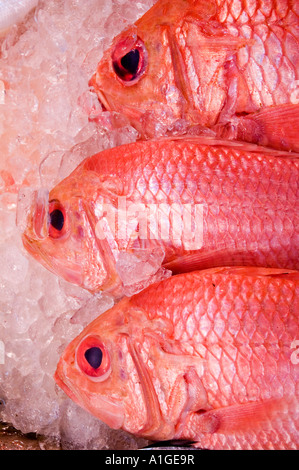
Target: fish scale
257,11
273,57
235,350
226,67
248,197
241,344
210,355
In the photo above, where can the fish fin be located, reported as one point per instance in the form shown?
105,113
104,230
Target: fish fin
166,12
240,417
256,271
190,263
223,141
187,395
290,276
214,258
273,126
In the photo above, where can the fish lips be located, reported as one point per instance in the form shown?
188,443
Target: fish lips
108,103
107,410
100,94
70,274
103,101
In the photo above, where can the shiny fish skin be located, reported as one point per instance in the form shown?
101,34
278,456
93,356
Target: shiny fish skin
226,65
249,197
206,356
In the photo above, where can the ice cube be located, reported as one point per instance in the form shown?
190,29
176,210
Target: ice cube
72,158
49,169
140,268
14,264
93,309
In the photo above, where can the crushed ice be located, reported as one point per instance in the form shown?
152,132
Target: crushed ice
49,122
140,268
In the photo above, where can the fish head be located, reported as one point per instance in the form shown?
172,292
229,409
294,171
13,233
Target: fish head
130,77
61,235
142,74
105,371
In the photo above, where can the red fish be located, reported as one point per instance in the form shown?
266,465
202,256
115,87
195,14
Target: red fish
209,356
228,66
195,203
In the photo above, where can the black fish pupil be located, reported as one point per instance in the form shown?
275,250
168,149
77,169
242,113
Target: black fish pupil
94,357
130,61
57,219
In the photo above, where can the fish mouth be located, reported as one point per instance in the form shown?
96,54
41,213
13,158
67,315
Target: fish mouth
69,273
105,409
33,250
112,104
103,101
67,390
101,97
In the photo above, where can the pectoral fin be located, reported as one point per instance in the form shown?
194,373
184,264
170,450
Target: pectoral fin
274,126
213,258
238,418
257,271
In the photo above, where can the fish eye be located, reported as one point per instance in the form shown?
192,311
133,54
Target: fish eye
130,66
92,358
56,219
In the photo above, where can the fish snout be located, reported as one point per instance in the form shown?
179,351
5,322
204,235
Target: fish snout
107,409
94,83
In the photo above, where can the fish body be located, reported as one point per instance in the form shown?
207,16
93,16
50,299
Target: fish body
228,66
209,356
13,11
196,202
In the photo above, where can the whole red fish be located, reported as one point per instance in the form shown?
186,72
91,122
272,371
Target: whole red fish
184,204
229,66
209,356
